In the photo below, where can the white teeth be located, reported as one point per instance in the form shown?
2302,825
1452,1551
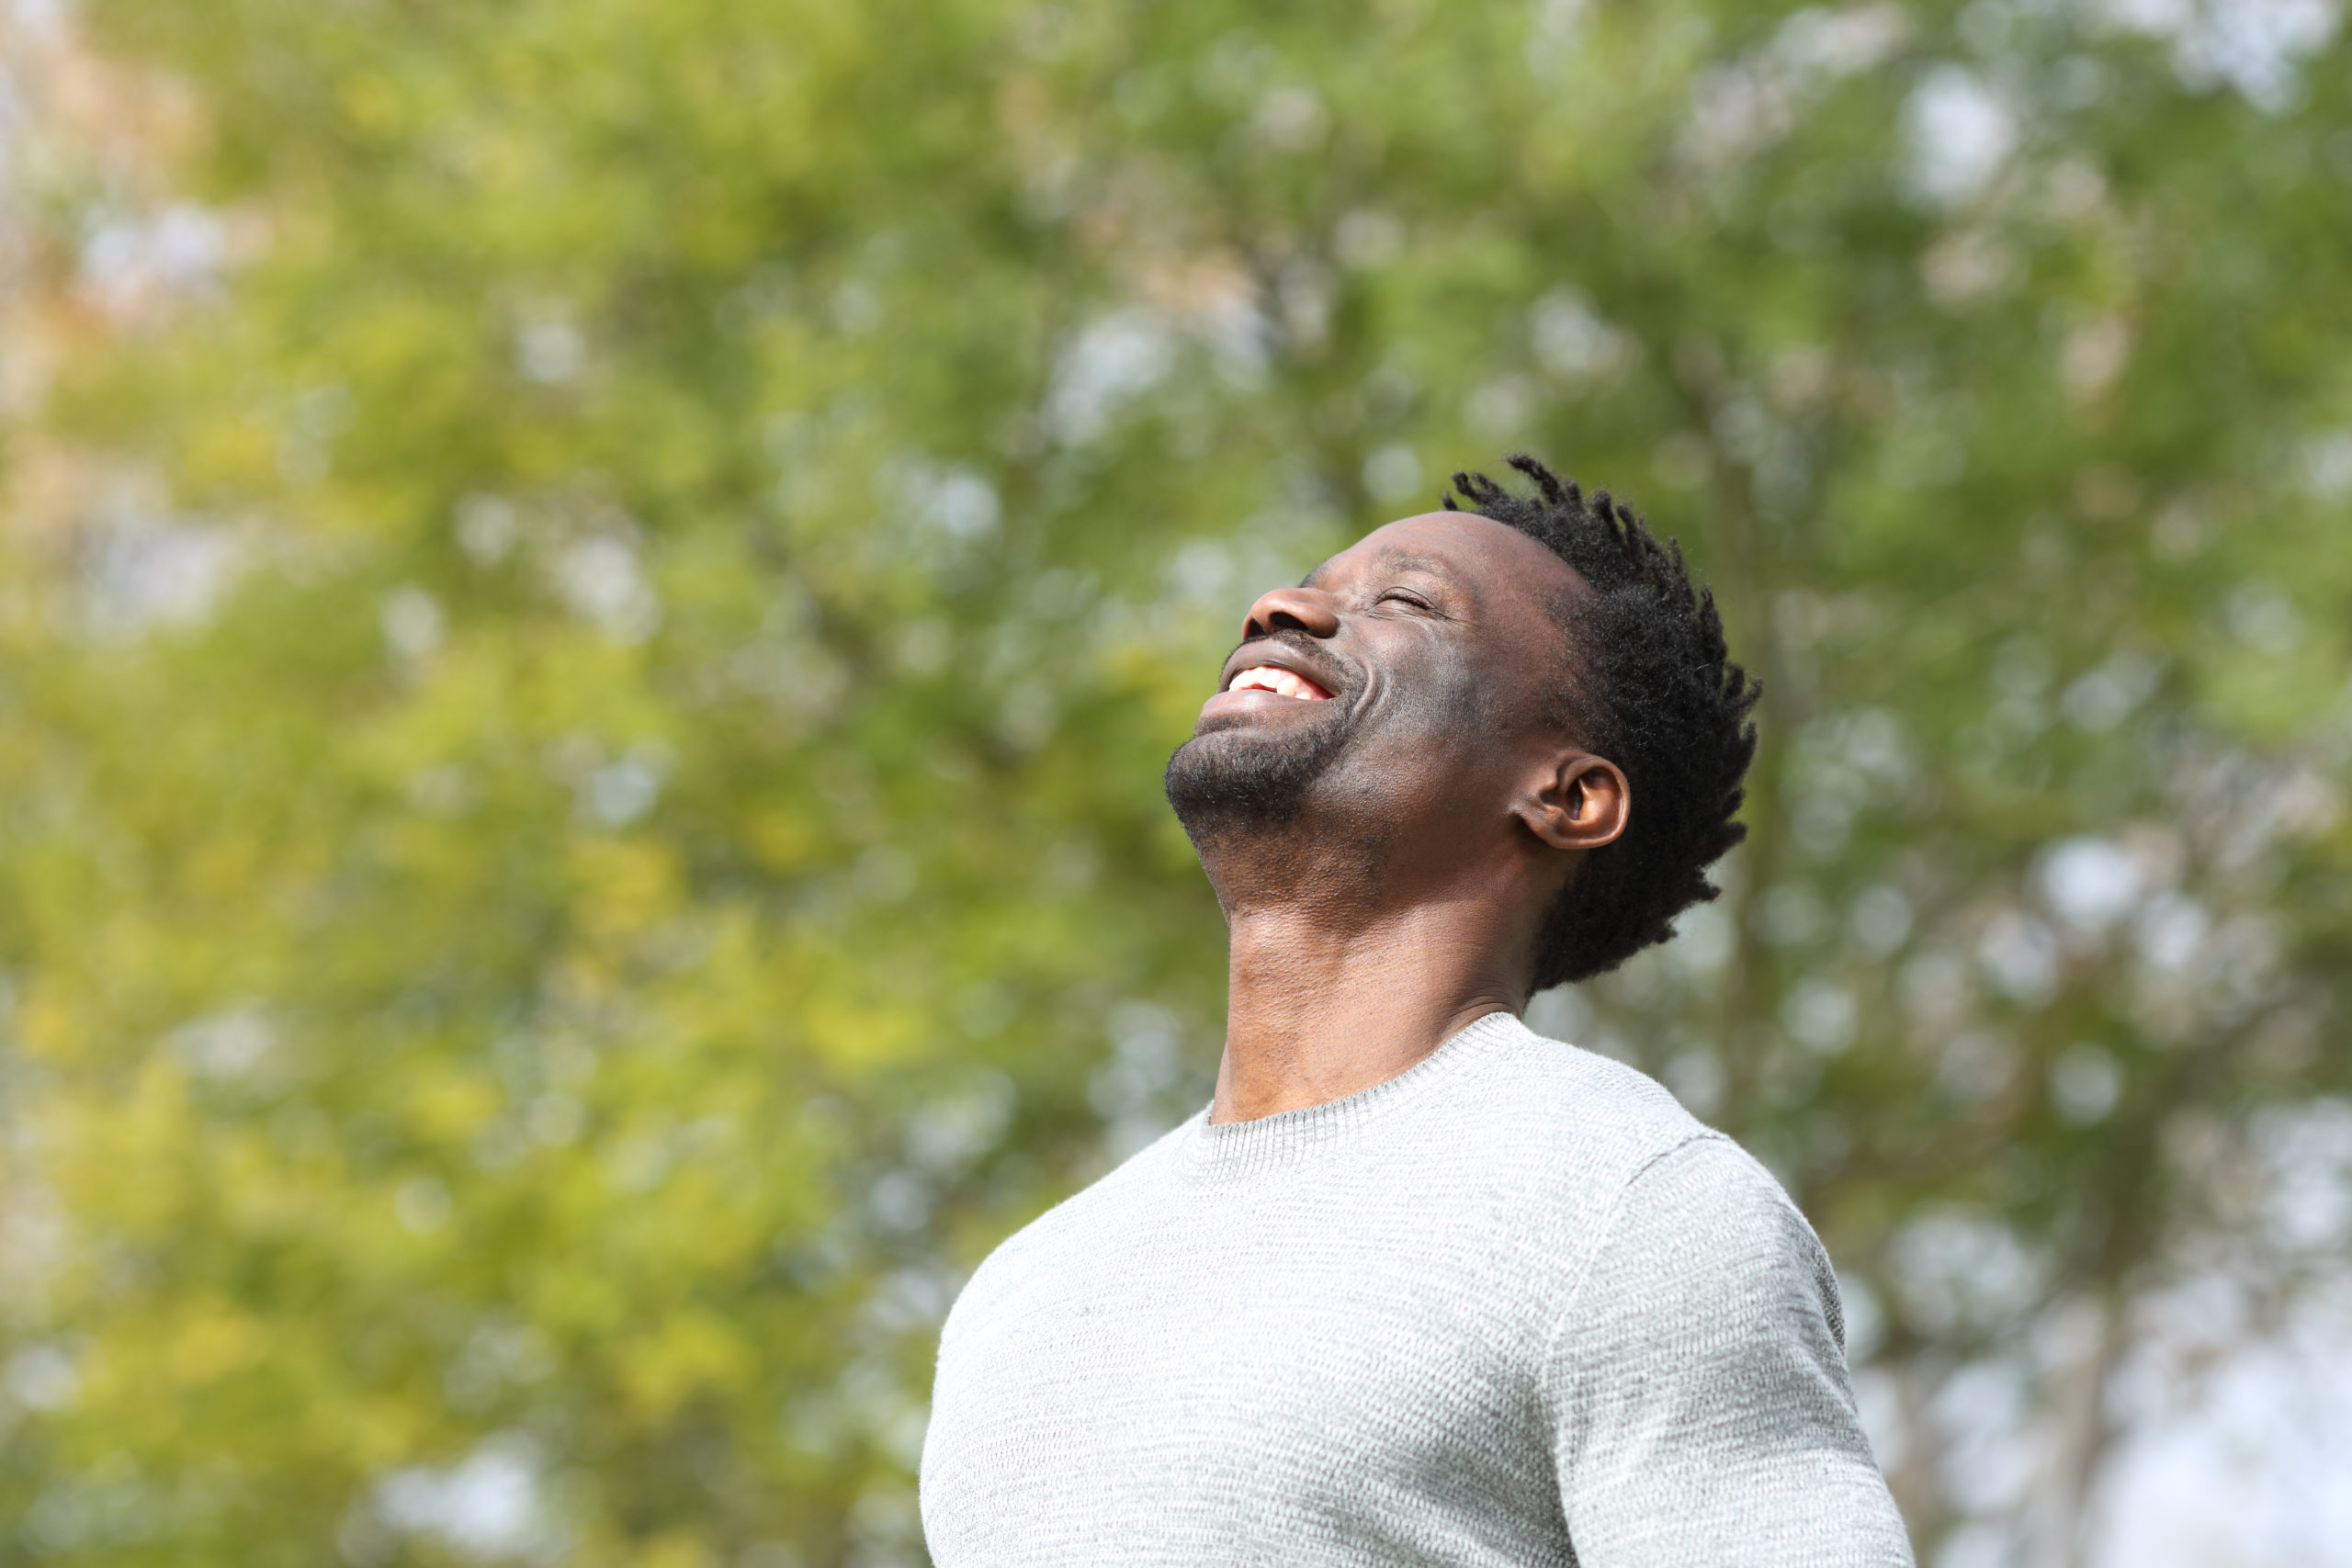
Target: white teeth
1281,682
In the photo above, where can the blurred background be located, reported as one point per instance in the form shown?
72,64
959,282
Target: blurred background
592,595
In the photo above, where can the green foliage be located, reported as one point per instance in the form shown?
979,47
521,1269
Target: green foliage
650,861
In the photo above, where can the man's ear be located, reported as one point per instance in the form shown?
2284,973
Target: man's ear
1581,804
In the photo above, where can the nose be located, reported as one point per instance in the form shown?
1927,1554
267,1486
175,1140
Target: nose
1309,610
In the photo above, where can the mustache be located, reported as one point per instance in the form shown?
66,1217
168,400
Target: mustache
1285,636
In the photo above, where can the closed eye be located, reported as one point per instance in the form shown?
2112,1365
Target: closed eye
1398,596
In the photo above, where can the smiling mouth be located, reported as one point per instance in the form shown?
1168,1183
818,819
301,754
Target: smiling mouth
1281,682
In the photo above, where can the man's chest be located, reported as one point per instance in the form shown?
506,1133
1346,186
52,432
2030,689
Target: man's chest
1363,1394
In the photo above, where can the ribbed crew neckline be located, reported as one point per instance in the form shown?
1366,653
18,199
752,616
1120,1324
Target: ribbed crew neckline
1225,1150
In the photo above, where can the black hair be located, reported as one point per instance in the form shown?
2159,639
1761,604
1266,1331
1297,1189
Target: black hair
1651,688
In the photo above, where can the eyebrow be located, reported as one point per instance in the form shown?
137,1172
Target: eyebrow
1393,560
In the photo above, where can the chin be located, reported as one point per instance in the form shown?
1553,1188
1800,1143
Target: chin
1240,776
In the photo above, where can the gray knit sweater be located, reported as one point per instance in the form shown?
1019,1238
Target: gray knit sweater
1513,1306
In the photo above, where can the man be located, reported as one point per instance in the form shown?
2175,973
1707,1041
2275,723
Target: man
1420,1287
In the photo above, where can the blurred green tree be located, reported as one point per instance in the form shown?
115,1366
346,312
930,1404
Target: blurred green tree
597,591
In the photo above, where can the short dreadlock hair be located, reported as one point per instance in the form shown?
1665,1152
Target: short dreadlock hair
1653,691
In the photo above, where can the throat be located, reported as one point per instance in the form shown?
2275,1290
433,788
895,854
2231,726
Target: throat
1321,1006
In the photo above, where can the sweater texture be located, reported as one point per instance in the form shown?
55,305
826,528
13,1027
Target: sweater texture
1511,1307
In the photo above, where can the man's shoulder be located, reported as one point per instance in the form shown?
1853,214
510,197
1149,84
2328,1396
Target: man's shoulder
1620,1130
1576,1108
1075,1225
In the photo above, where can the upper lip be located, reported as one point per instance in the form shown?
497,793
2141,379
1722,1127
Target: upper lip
1279,655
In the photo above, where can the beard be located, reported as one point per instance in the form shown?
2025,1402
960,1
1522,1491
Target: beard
1239,780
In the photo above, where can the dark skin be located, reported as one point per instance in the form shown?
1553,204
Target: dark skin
1403,899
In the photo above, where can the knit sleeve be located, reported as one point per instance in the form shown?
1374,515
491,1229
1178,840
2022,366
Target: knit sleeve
1700,1408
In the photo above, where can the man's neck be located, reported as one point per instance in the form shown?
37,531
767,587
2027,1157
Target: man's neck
1324,1004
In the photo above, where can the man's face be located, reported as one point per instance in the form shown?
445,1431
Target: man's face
1388,687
